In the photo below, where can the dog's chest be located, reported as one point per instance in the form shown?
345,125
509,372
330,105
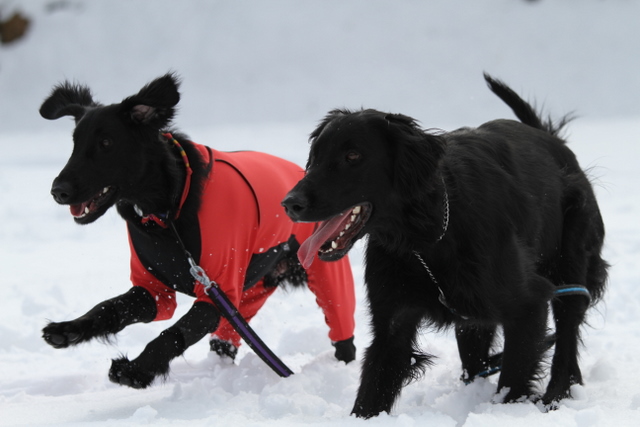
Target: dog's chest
163,256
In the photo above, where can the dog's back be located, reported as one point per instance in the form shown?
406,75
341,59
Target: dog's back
582,225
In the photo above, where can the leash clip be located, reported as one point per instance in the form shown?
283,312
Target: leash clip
199,274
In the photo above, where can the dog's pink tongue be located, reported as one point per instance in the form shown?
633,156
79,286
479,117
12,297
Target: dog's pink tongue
78,210
325,230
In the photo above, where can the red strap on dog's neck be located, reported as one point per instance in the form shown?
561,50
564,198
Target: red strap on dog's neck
185,191
187,179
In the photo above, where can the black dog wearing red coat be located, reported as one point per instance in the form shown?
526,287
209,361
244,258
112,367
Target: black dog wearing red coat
475,229
176,194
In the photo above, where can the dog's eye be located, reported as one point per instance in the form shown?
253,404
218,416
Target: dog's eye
353,156
106,143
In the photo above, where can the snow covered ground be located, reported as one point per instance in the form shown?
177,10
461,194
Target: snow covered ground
258,75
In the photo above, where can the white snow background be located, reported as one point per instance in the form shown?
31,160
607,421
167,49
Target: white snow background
259,75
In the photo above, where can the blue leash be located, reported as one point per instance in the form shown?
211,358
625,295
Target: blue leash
495,361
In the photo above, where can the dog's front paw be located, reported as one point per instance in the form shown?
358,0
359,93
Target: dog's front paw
372,400
64,334
126,372
362,411
345,350
370,403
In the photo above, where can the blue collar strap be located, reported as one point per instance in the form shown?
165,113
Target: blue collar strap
565,290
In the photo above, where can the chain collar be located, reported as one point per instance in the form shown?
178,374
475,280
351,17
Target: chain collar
445,218
445,227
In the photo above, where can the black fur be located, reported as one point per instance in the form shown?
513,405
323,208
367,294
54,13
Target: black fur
519,217
120,158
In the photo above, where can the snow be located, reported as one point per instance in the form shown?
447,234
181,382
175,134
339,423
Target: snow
259,75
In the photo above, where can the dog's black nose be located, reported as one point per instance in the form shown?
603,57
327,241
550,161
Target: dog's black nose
295,204
61,191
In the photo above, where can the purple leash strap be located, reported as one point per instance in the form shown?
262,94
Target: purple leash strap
233,316
247,333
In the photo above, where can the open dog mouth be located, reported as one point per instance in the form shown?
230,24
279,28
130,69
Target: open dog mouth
91,209
335,237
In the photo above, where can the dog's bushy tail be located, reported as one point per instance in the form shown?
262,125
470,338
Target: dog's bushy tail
523,110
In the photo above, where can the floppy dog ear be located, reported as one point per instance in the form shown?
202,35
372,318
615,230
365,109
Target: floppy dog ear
154,104
417,152
331,115
67,99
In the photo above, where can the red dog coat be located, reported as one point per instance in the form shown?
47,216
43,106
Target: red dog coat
239,220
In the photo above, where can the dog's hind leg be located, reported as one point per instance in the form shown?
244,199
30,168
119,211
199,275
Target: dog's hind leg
568,313
524,343
202,319
580,264
474,343
106,318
